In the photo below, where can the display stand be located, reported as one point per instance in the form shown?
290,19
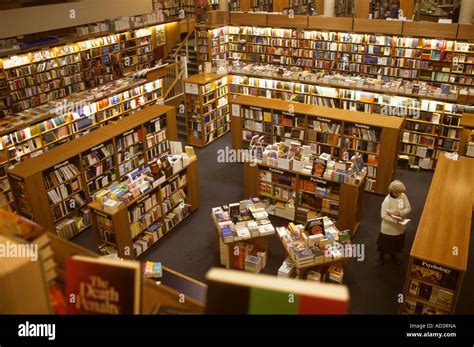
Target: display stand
438,257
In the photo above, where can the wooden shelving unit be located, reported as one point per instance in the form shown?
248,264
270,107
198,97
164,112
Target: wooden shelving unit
54,189
431,126
467,137
374,136
438,258
343,204
207,108
47,130
139,224
211,43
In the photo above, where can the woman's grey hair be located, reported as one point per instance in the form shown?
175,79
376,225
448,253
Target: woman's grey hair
397,187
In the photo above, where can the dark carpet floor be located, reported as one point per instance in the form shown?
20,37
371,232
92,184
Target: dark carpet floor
192,248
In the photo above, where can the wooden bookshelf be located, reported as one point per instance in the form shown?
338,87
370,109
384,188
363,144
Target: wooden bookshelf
44,128
467,137
343,204
211,43
432,124
374,49
382,159
140,223
207,108
54,189
438,258
72,64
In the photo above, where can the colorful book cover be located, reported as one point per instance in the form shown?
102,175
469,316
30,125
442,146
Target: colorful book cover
102,286
237,292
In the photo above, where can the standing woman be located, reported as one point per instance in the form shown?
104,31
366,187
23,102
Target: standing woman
395,208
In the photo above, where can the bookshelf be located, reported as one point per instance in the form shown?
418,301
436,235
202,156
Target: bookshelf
312,195
211,43
413,53
326,129
301,7
432,124
261,5
45,127
54,189
249,239
139,223
435,272
344,8
207,108
33,77
467,137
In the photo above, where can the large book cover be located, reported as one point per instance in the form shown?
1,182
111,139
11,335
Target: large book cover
102,286
237,292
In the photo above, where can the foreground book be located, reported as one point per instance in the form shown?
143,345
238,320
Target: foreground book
237,292
102,286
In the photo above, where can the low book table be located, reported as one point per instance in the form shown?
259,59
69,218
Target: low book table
242,231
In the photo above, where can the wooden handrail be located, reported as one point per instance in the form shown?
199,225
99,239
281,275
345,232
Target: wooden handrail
182,43
178,77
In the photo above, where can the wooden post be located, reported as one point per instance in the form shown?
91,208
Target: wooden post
362,9
407,7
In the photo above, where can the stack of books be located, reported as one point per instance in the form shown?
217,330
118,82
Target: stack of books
152,269
287,269
253,264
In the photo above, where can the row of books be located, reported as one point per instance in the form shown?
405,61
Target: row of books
70,227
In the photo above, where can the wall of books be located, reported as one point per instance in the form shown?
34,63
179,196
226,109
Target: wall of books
55,188
56,123
32,79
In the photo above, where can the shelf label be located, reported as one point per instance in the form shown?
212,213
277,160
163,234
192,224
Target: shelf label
431,266
60,165
291,114
362,126
191,88
255,108
323,120
317,180
155,119
276,171
97,147
235,110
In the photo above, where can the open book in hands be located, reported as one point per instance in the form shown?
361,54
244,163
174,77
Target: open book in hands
400,220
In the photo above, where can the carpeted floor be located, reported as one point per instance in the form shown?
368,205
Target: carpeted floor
192,248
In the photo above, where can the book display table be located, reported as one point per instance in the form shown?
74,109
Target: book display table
242,231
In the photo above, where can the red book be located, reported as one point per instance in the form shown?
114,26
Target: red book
102,286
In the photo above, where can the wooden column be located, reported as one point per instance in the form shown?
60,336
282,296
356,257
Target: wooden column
320,7
245,5
407,7
279,5
362,9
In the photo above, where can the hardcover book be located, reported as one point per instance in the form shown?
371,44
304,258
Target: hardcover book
102,286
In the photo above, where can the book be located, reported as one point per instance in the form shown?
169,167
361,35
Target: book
152,269
103,286
237,292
